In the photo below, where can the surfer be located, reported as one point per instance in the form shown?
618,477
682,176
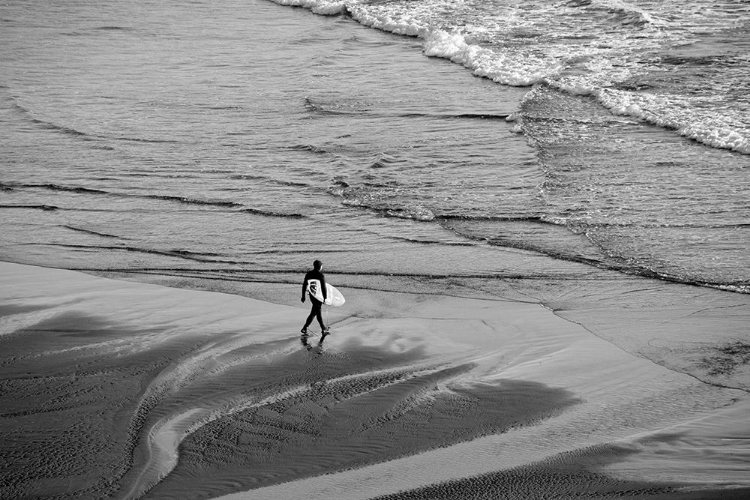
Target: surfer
307,287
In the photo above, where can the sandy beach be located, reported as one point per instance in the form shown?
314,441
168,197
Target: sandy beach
123,390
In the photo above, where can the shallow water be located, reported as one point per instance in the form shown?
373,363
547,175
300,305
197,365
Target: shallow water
239,143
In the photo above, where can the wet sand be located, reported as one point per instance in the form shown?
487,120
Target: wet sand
127,390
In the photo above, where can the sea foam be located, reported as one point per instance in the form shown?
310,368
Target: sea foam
577,69
685,115
517,69
322,7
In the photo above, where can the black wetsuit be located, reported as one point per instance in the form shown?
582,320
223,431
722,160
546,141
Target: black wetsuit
315,312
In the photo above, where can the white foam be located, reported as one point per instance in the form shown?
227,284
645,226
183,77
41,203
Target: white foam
628,9
509,68
516,68
322,7
483,40
417,212
393,20
688,116
475,37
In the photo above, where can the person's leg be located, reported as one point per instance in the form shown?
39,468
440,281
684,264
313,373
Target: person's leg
319,316
314,313
320,319
308,321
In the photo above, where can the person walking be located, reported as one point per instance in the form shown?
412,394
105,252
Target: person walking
314,279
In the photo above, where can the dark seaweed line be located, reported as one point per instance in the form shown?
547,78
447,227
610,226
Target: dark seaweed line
88,231
541,219
264,213
183,254
47,208
83,135
319,108
52,187
179,199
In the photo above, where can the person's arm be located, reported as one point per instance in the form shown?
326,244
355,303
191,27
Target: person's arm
304,288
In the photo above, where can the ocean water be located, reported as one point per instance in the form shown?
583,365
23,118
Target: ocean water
410,145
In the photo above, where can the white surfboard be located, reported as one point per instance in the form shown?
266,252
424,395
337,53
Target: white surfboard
333,296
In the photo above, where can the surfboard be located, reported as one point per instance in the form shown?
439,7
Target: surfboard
333,296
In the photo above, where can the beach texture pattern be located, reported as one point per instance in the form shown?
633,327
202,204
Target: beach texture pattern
137,390
537,211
